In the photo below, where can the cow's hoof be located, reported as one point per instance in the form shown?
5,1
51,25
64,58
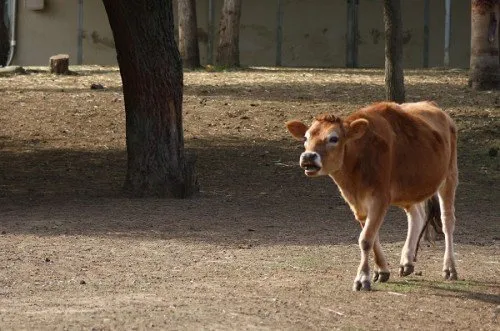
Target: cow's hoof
362,286
450,274
406,270
381,276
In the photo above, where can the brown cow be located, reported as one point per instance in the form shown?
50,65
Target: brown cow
387,154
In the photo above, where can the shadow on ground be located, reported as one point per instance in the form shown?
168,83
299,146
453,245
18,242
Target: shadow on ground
252,193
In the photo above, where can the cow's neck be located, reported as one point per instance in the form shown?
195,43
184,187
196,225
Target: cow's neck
349,180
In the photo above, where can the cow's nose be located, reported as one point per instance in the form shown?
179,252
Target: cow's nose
309,156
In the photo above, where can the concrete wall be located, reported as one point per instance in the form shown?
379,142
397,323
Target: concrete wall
98,43
314,33
371,31
41,34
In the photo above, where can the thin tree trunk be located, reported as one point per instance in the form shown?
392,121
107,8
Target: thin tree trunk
151,71
394,77
188,34
228,51
484,60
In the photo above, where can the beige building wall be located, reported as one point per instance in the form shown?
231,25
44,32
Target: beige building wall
314,33
43,33
98,44
371,31
460,34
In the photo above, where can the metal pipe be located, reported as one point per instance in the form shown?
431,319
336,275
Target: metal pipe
352,34
279,33
426,33
447,32
13,14
349,36
210,42
355,33
79,47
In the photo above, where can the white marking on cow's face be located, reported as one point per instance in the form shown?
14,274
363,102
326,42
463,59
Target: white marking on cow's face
307,136
311,163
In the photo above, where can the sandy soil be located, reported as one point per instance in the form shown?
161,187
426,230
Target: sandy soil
261,247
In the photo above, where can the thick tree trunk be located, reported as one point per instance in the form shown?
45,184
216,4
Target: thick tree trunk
188,34
484,58
151,71
228,50
394,77
4,34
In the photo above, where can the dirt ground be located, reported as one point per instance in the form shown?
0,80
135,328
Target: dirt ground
261,247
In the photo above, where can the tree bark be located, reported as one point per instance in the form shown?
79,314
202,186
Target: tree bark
484,60
228,50
4,34
394,76
151,71
188,34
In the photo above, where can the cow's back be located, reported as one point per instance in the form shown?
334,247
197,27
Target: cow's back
420,147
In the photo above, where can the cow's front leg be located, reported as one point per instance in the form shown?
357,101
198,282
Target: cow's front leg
381,273
367,240
416,223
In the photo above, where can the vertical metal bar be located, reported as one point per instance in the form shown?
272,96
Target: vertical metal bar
211,35
447,32
349,35
426,33
355,34
352,34
279,33
79,48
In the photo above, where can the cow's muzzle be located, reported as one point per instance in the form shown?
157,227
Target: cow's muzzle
311,163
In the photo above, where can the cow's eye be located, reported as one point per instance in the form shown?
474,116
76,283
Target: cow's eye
333,139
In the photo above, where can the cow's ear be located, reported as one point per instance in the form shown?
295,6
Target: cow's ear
357,128
297,129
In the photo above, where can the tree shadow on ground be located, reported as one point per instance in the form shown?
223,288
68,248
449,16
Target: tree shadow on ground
252,193
446,95
319,85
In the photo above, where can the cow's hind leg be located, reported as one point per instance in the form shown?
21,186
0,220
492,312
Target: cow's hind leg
381,272
446,195
367,239
416,223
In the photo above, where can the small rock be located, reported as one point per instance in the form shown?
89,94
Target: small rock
4,232
95,86
47,259
82,282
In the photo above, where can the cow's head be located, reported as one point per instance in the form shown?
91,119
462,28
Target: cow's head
325,141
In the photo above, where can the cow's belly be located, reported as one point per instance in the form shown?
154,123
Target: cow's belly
405,196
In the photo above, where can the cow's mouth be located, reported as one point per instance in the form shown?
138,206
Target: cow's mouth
311,169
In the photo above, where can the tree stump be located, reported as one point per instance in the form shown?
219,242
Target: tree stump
59,64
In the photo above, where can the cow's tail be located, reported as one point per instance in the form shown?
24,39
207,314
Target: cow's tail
433,228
